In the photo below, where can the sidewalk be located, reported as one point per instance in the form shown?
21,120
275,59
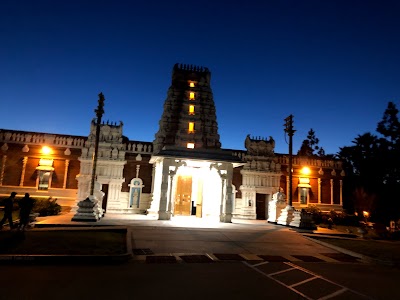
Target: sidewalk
206,239
199,238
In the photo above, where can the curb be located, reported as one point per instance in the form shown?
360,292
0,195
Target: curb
64,259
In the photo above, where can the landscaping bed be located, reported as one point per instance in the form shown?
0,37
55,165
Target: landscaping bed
64,241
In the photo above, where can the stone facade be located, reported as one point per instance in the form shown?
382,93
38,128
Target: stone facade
184,171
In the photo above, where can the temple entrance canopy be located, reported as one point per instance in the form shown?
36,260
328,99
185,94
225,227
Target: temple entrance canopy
190,186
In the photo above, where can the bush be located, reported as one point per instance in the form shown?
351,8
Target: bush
48,207
316,214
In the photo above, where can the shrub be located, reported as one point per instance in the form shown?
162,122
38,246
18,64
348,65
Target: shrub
48,207
315,212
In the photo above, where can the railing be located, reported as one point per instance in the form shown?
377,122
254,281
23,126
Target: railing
23,137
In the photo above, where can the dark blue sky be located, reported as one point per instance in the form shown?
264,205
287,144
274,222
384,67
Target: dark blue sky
334,65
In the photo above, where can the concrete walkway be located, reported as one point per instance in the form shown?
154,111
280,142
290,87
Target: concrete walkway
248,239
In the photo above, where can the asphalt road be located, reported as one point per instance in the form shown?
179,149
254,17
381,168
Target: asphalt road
310,271
230,280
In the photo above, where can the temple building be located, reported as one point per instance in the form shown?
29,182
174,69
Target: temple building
184,171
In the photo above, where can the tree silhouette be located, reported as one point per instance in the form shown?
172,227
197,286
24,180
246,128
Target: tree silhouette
310,146
372,165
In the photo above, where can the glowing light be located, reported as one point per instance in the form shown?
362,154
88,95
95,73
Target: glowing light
191,127
191,95
46,150
190,145
191,84
305,171
191,109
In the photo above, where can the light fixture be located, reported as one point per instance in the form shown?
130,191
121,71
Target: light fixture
46,150
305,171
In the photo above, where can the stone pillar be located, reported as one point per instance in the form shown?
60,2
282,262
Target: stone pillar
171,180
88,210
3,167
341,192
275,208
287,185
319,190
25,160
65,173
163,213
226,216
286,216
331,191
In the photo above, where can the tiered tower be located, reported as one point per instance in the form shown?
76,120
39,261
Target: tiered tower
189,118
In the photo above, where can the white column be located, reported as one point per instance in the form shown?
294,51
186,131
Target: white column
21,183
171,180
331,191
65,173
227,213
319,190
163,213
287,187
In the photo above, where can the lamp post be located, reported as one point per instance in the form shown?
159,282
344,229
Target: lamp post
99,113
290,131
88,209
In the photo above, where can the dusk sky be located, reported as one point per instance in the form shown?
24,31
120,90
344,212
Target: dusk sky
334,65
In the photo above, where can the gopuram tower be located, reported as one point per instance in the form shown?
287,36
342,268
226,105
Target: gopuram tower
189,118
192,174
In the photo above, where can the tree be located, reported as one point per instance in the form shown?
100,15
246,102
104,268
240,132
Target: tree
389,128
310,146
372,165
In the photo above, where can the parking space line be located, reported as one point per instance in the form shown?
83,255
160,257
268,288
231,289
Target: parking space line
304,281
334,294
342,289
280,272
272,278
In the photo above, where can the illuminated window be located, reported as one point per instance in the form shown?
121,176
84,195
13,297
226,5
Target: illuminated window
44,177
191,84
191,127
190,145
44,173
191,96
303,195
191,109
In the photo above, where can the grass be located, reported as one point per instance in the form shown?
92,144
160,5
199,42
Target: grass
64,242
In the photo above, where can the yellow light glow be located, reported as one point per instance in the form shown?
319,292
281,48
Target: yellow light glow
191,95
191,127
46,150
365,214
191,109
305,171
191,84
190,145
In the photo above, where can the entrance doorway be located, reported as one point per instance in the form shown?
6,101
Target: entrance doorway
183,196
261,205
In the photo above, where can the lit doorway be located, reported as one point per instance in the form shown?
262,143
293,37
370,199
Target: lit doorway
183,196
